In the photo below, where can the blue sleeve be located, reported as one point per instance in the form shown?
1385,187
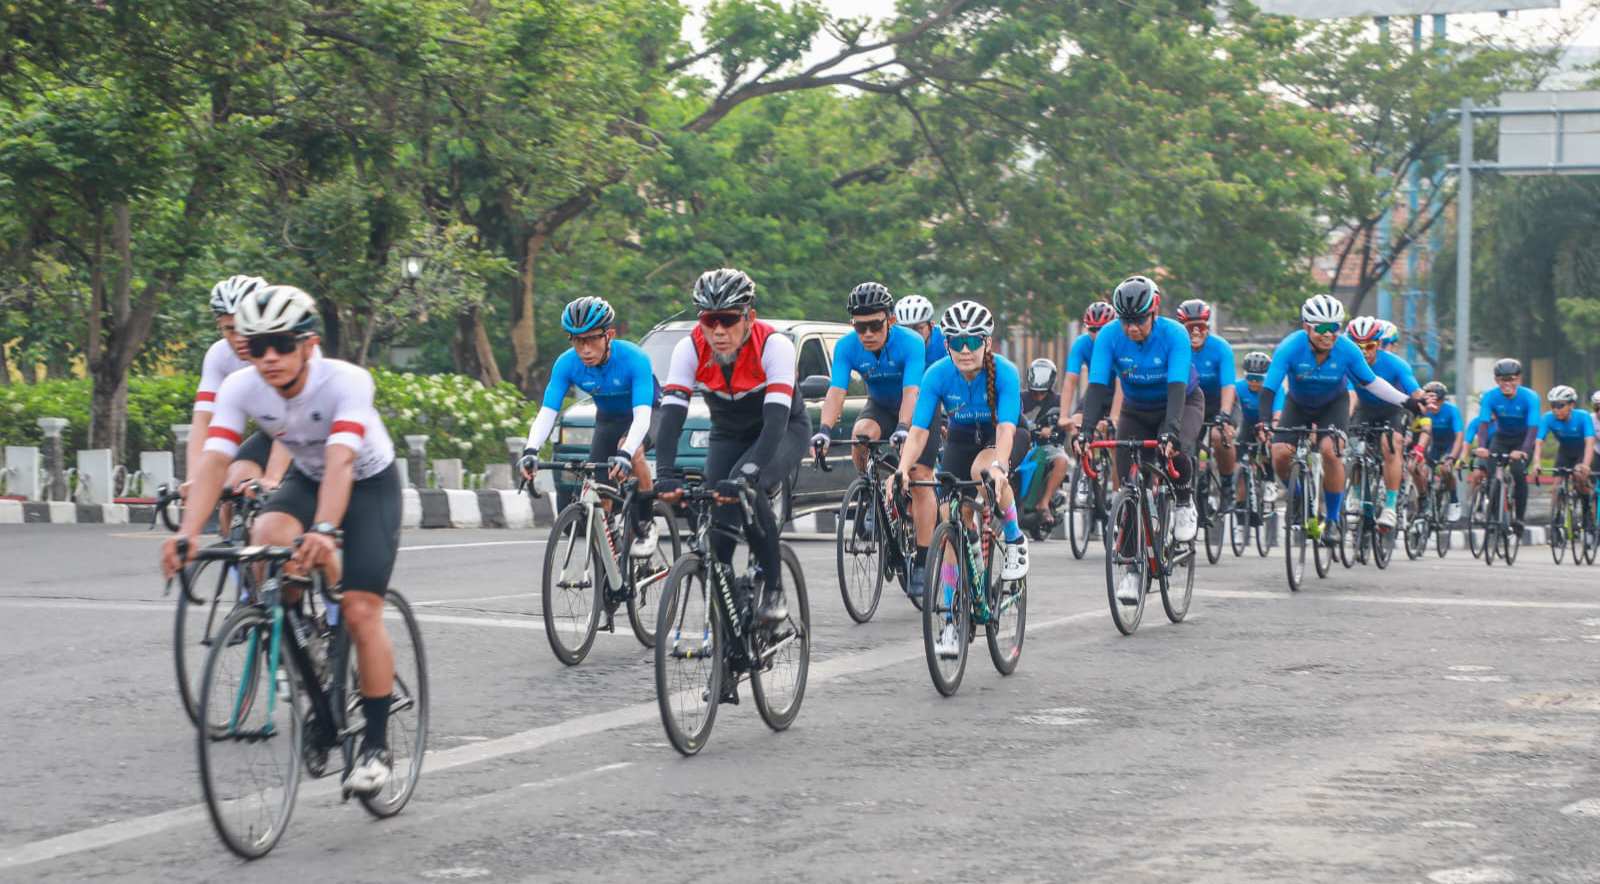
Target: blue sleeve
1228,377
1079,354
1100,360
1535,405
1587,421
916,355
1278,371
1007,394
928,397
1546,424
1410,378
1180,357
644,378
560,380
840,377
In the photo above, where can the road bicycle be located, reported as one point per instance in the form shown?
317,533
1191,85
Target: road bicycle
1494,522
708,637
964,587
1430,522
1087,500
1306,514
590,569
1213,518
1571,520
875,540
1139,537
280,697
1365,495
1258,499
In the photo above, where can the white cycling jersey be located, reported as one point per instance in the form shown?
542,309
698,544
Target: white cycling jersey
335,408
220,362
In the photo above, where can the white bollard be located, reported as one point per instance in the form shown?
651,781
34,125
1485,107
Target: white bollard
94,475
23,467
451,474
159,469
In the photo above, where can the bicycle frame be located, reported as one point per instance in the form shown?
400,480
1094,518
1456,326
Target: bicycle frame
1145,477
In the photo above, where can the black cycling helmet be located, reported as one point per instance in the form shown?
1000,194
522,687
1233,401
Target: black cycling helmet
1437,388
1194,310
587,314
724,289
1041,375
1256,362
1136,297
1506,368
870,297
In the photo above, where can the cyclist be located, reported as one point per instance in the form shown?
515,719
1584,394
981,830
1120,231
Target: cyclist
1095,317
889,359
1247,392
618,376
759,429
980,392
1389,339
343,478
1594,462
1150,358
916,313
1041,409
1213,364
1317,362
1574,430
1514,410
1445,441
1370,411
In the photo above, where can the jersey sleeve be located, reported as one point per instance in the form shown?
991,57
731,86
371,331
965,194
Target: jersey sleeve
560,381
680,374
1079,354
928,396
915,357
839,378
778,362
644,380
1180,356
1356,367
1228,378
1278,370
1007,393
213,372
226,431
1100,360
354,415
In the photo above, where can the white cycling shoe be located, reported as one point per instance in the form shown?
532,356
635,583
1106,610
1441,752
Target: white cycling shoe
1452,513
1015,566
1387,518
948,644
644,546
371,773
1185,522
1129,586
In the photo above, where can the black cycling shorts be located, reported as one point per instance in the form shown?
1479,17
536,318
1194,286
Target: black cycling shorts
1331,415
1569,455
1214,408
965,442
1135,423
887,419
611,429
726,452
1395,417
1499,444
256,449
371,523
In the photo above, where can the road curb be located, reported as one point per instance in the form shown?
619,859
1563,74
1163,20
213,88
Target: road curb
429,508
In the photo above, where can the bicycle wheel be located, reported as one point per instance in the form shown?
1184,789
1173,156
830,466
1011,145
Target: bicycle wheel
1475,523
1239,530
779,683
213,594
1322,554
1208,497
407,727
1005,630
1560,518
1080,511
1416,539
859,551
1294,531
1494,508
1177,565
1383,541
1261,516
945,600
689,651
1126,547
249,737
1510,537
571,593
647,574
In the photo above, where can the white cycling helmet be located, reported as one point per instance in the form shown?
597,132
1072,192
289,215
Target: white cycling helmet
1364,328
1322,308
1561,393
226,295
274,310
913,310
967,318
1594,399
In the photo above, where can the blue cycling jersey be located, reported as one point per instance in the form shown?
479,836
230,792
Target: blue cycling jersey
1213,365
1446,424
1250,403
1577,427
1079,355
896,365
618,385
1394,370
1146,367
967,402
1314,383
935,348
1512,416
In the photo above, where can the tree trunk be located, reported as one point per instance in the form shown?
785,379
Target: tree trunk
524,334
5,367
474,355
108,412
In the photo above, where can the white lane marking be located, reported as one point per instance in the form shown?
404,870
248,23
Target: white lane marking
1400,600
445,759
1472,875
1586,807
481,598
163,606
474,545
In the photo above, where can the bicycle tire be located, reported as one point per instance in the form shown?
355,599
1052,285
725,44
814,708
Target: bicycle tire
1080,518
1178,556
1475,527
861,577
1239,541
799,638
408,714
646,576
1416,536
1211,516
1383,541
242,704
1294,531
1009,602
686,602
1322,555
1559,520
570,536
1262,517
1125,512
197,615
945,547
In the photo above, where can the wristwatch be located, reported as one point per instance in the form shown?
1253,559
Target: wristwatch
327,528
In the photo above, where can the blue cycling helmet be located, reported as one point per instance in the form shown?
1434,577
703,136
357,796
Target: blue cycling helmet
587,314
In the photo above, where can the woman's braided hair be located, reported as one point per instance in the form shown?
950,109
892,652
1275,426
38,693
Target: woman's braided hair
988,371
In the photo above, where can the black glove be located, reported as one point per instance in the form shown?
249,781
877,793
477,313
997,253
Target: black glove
1414,406
622,462
1169,440
898,437
529,461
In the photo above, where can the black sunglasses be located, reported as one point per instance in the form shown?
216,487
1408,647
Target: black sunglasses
726,320
868,326
283,342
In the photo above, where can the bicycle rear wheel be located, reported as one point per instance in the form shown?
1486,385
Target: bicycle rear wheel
1208,497
1322,555
407,727
946,601
571,593
214,589
689,651
1126,547
648,574
1559,520
248,739
1005,630
1239,528
1080,515
1177,567
859,551
1261,516
779,683
1294,531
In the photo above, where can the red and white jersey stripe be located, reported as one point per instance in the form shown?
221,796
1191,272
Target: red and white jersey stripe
335,408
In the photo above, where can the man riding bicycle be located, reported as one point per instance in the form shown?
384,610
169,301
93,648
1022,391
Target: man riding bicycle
1371,411
1150,358
1247,392
1445,442
980,391
1318,365
1514,411
343,479
1575,436
745,369
889,360
1213,365
618,376
1095,317
1041,409
916,313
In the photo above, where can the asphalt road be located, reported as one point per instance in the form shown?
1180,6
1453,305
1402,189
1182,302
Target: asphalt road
1434,722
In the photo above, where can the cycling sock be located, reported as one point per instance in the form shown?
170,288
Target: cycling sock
642,515
1389,498
922,556
1453,498
1012,530
1334,501
376,712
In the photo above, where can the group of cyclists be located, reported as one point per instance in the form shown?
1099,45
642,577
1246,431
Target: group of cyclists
936,387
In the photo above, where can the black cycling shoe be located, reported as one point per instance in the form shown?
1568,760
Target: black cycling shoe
773,607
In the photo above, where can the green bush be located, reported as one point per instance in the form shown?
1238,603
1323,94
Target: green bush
460,417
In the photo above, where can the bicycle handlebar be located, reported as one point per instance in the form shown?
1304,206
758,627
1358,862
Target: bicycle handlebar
1126,444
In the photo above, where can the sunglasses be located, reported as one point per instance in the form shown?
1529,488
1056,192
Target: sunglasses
285,343
1197,326
725,320
1326,328
868,326
1258,378
587,339
965,342
1369,345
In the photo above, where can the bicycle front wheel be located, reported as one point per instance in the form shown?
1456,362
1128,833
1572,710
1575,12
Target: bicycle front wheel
1261,516
1127,558
1294,531
946,605
779,682
689,651
1239,517
1559,520
1177,568
248,738
1080,511
1209,498
214,592
407,727
649,573
571,593
858,551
